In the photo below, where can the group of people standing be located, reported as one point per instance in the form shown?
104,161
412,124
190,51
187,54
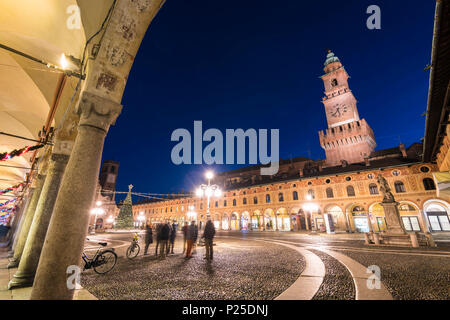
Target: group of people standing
166,234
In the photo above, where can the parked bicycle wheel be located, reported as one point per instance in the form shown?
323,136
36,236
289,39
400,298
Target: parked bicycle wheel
105,262
133,251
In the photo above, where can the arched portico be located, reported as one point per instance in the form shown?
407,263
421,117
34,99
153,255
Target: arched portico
234,222
269,220
437,213
358,218
283,220
338,218
245,221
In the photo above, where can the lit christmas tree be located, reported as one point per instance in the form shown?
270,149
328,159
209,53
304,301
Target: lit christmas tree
125,218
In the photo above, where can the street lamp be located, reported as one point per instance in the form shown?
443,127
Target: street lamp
208,190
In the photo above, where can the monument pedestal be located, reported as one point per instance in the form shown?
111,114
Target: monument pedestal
395,234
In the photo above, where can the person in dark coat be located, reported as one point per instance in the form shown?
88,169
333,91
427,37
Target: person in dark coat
184,231
158,237
190,239
172,236
208,235
164,239
148,236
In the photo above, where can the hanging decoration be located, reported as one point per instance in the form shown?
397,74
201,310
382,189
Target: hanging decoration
17,186
7,202
18,152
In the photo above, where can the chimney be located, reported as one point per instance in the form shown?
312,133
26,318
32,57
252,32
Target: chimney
366,161
403,150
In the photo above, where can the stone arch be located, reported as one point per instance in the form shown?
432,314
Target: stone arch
437,213
269,220
358,218
283,219
245,222
339,218
234,221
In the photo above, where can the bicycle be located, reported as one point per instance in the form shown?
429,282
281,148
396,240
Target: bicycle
134,248
102,262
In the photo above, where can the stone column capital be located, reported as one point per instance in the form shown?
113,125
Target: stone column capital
96,111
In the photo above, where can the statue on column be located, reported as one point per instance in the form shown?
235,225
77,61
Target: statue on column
385,189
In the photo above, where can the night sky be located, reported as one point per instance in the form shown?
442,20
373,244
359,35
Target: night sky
256,64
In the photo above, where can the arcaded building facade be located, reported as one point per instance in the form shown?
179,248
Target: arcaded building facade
338,194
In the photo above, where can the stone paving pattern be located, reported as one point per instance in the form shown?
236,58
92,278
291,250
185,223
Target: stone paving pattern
338,282
410,277
241,270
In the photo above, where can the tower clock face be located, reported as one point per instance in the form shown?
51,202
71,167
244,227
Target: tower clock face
338,110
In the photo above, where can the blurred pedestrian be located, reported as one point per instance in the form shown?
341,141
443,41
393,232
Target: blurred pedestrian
190,239
184,231
164,239
208,235
158,237
172,236
195,237
148,236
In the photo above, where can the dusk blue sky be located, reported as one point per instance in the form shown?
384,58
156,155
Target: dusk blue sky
256,64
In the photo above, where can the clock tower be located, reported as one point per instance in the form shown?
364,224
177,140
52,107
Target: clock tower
348,138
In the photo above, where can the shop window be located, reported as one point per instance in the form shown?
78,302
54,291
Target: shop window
267,198
280,197
295,195
428,183
399,187
329,192
411,223
373,188
350,191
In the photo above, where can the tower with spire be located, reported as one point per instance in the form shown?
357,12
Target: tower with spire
348,138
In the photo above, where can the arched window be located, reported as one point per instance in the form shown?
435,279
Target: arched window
234,202
373,188
428,183
311,194
224,203
268,198
255,200
280,197
217,204
350,191
329,192
295,195
399,187
244,201
201,205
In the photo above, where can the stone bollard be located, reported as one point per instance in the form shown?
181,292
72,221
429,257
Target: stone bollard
376,238
414,241
430,239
